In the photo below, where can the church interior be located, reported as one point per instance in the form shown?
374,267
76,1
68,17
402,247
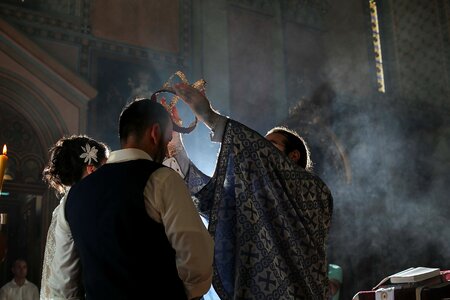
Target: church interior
366,83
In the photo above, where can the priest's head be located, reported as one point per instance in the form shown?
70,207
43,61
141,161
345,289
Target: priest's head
292,144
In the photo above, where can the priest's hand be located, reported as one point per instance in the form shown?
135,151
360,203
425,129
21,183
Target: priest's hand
198,102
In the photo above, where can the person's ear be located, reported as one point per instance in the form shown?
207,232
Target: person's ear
155,133
294,155
90,169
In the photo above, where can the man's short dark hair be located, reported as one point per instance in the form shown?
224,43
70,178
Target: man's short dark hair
140,114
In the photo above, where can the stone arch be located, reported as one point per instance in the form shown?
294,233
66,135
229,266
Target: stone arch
36,108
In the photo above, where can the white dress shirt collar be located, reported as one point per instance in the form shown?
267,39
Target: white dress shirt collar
127,154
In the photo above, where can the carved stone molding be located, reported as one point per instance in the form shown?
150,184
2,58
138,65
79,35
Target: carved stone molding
261,6
42,19
72,8
307,12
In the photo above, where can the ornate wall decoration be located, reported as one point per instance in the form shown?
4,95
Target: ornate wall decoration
147,24
98,54
26,158
377,45
421,36
306,12
77,31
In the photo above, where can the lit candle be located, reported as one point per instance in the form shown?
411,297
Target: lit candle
3,161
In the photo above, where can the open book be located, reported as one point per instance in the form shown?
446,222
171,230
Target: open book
410,275
414,274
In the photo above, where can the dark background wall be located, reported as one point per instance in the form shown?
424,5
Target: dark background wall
306,64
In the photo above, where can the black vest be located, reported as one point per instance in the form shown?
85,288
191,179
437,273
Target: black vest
124,253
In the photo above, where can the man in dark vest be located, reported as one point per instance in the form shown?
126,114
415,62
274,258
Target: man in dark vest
135,216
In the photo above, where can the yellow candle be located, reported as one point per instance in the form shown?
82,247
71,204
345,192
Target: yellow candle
3,161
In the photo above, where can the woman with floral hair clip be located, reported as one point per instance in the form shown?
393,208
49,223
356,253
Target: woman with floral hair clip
71,159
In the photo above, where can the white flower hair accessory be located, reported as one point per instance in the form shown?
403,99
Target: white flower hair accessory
89,153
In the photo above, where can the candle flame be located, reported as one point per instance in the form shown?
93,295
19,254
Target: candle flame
4,149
